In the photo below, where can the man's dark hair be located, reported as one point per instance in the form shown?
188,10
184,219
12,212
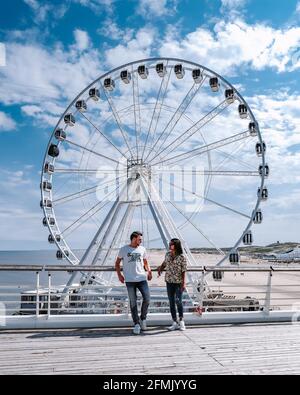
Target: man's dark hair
178,246
135,234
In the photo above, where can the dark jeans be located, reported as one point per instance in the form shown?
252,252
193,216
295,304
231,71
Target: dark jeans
175,298
144,290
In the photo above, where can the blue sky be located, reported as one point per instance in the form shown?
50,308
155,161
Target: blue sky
54,49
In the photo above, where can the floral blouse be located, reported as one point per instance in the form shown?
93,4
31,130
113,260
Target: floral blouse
174,267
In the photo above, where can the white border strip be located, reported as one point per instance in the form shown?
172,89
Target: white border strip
123,320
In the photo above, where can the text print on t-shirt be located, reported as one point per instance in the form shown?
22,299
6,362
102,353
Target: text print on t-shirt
134,257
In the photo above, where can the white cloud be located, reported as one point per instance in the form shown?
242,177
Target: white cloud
6,122
2,55
286,201
156,8
82,39
233,44
14,178
138,48
43,11
31,110
232,9
233,3
112,31
97,6
35,74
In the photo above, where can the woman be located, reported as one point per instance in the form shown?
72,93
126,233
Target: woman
175,267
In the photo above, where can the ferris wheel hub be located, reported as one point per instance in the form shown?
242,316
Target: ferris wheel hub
137,168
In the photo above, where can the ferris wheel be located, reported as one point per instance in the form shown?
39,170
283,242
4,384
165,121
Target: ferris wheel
165,146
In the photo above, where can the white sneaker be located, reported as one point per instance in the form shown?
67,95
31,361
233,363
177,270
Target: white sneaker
182,325
143,325
173,327
137,329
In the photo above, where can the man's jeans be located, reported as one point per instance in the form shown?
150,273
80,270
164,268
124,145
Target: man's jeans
144,290
175,298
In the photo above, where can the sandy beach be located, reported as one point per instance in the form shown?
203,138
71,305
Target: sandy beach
285,286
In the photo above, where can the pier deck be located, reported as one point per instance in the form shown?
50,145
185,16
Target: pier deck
230,349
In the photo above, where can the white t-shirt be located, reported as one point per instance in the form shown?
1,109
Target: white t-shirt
133,263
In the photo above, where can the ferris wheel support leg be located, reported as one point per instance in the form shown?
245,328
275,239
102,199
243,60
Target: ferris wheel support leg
161,226
164,221
165,237
117,237
94,241
125,193
114,239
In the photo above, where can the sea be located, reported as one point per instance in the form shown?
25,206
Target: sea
13,283
39,257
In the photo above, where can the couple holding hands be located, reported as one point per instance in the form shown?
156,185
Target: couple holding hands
137,272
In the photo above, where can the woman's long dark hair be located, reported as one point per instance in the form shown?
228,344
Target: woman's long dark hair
177,245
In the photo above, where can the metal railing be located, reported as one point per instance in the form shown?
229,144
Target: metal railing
242,290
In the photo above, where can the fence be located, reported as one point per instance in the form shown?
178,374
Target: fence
223,295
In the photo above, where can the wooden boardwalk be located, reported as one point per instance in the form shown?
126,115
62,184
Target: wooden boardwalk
239,349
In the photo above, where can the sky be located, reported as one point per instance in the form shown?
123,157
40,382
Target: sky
51,50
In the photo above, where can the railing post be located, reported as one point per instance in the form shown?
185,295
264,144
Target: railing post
268,293
49,296
37,307
201,296
199,290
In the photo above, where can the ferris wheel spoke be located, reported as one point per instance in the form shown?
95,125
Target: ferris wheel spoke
79,194
159,112
80,221
209,200
100,170
157,109
191,216
88,212
195,128
117,118
232,173
102,134
136,109
206,148
91,151
128,227
142,218
197,228
74,195
232,156
176,116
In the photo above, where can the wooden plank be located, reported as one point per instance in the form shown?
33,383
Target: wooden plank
247,349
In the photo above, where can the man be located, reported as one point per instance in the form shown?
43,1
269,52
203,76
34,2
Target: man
136,272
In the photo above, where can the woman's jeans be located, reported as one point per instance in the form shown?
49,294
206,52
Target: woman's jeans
175,298
144,290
